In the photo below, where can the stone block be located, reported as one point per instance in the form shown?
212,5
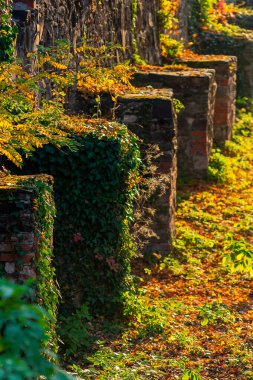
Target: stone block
196,90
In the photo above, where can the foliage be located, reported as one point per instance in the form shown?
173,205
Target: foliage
220,169
170,46
211,30
102,160
22,329
240,16
28,119
238,255
82,68
214,314
94,191
167,14
24,126
200,15
73,330
226,40
178,105
136,56
222,166
208,14
47,294
8,31
244,106
147,317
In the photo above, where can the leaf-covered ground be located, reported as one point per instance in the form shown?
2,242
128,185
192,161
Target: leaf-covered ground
192,316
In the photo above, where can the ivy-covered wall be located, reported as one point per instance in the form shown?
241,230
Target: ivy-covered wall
94,189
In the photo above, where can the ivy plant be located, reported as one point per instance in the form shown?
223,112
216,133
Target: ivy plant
8,32
22,337
94,189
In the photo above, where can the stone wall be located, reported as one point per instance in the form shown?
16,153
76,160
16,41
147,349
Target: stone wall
225,75
182,17
243,20
147,31
241,47
248,3
101,22
196,90
18,227
30,22
150,115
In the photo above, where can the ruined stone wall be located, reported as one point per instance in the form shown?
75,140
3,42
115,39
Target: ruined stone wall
101,22
243,20
241,47
150,115
248,3
19,227
17,232
225,75
196,90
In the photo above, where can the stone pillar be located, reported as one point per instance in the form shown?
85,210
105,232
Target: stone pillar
19,226
150,115
196,90
225,75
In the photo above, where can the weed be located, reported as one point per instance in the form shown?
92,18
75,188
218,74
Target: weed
220,168
238,255
151,316
74,330
215,313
